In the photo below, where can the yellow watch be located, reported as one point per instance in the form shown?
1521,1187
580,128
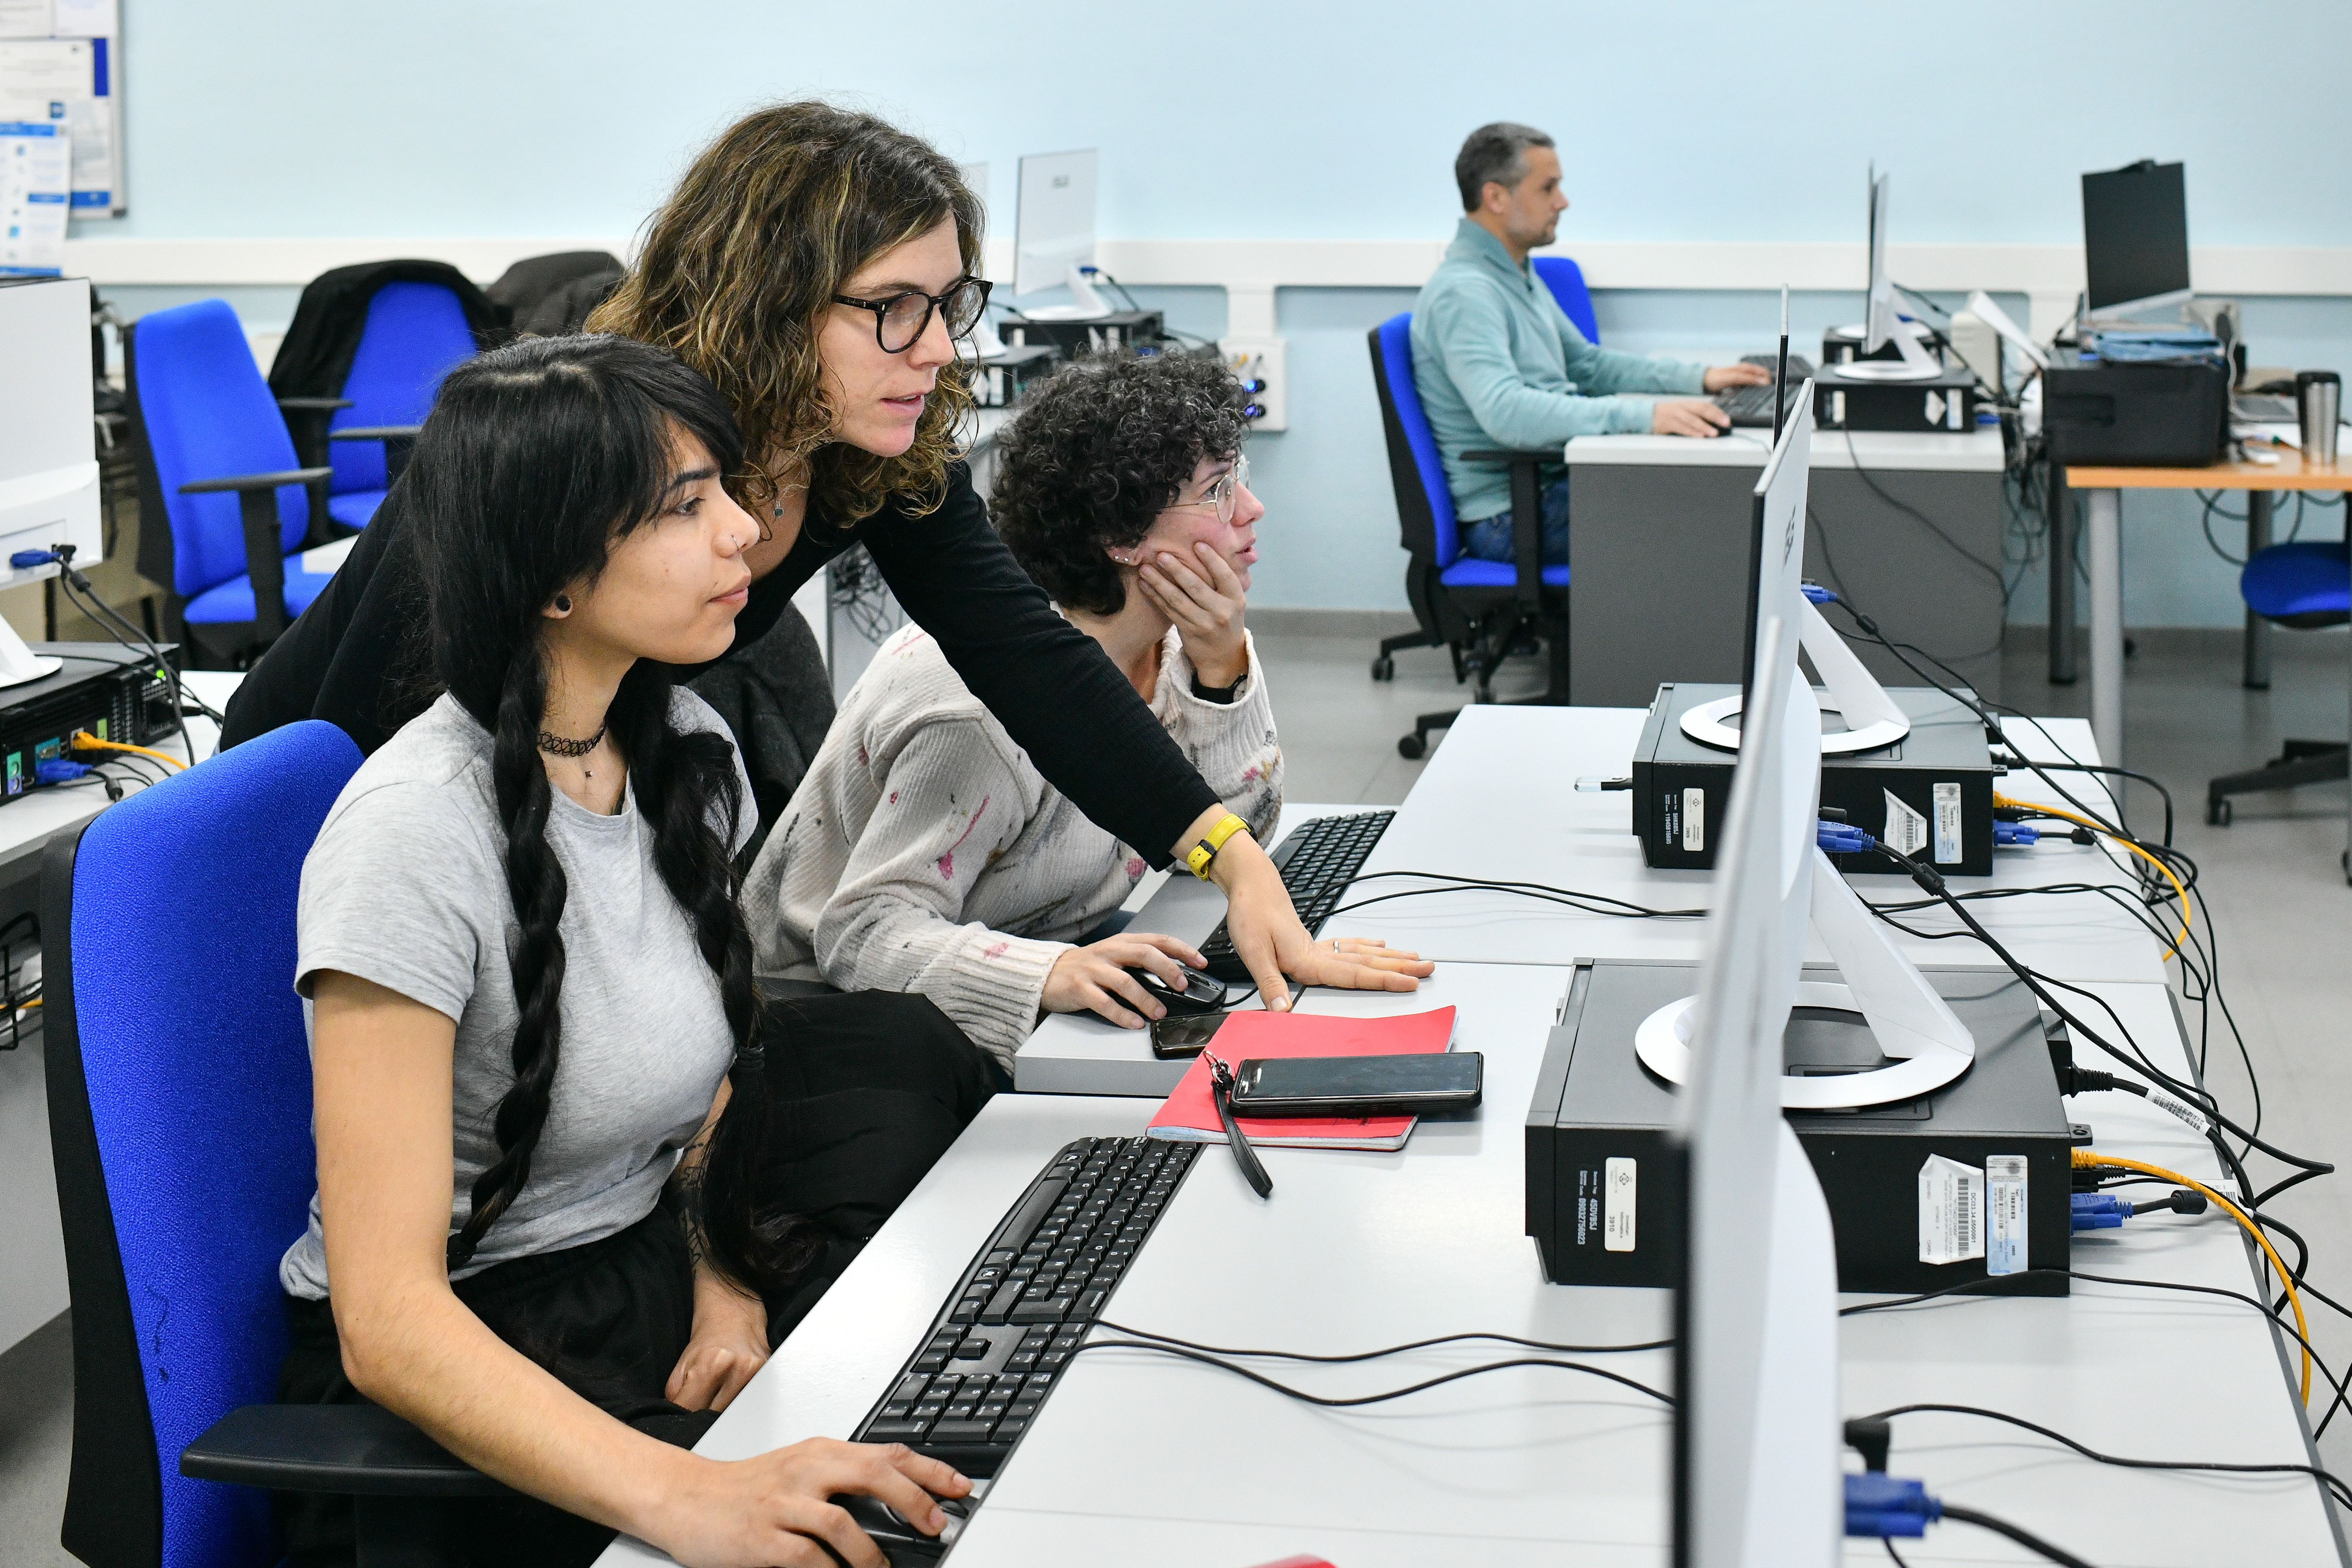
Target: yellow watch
1205,854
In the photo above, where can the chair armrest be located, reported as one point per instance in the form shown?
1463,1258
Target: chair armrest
1527,518
1517,455
313,404
247,482
399,441
264,559
342,1450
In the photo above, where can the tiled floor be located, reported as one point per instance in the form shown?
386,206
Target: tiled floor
2277,897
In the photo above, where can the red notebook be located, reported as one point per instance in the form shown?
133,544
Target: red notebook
1189,1116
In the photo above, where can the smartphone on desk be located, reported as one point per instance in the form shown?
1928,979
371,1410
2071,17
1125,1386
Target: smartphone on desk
1412,1085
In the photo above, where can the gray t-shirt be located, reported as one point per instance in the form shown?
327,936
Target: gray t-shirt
406,887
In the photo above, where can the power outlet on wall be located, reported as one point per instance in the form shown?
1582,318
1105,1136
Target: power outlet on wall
1260,363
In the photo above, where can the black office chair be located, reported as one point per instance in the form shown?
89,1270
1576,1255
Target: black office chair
1480,611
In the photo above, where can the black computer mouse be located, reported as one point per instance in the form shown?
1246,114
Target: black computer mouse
902,1544
1202,993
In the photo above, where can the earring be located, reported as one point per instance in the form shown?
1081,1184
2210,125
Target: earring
563,604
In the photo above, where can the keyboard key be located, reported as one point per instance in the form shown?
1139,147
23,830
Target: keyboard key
895,1432
993,1411
1012,1426
965,1430
962,1410
897,1412
971,1350
1043,1311
1090,1305
1023,1407
911,1390
999,1305
930,1360
1021,1361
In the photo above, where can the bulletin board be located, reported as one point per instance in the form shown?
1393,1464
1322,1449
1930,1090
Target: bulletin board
61,64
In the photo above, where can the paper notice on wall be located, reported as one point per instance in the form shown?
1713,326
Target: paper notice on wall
36,164
1951,1211
73,83
27,18
88,19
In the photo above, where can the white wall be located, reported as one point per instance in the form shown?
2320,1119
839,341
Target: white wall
1679,122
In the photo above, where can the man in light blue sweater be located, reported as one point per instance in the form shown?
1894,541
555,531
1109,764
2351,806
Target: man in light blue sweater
1498,364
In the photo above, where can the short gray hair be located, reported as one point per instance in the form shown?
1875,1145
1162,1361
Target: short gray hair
1497,152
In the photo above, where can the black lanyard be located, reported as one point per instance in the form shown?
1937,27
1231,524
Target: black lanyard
1221,1091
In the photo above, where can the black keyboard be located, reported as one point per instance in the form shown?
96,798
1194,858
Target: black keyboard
1024,1304
1318,860
1752,406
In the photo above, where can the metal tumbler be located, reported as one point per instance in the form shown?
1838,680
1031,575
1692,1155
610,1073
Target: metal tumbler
2319,400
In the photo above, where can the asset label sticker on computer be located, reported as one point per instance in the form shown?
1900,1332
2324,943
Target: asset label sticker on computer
1694,820
1947,824
2004,1212
1906,829
1617,1188
1951,1211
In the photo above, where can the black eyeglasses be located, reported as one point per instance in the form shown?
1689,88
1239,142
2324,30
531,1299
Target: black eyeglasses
901,318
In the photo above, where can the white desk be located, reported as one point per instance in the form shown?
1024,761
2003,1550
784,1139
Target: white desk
1144,1461
1498,800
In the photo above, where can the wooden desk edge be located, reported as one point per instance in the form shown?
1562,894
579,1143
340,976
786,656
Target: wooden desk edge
2289,474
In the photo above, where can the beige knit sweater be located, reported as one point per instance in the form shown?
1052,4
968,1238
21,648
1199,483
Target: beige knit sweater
925,852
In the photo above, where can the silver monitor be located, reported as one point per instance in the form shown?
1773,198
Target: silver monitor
1757,1437
49,442
1053,232
1882,324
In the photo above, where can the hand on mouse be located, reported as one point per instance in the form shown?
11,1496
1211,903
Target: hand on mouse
774,1509
1095,978
1689,416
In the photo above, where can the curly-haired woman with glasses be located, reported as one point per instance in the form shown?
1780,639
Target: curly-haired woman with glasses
925,852
818,266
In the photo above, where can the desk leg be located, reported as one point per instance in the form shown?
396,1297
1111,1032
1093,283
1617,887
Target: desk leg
2258,630
2061,580
2103,516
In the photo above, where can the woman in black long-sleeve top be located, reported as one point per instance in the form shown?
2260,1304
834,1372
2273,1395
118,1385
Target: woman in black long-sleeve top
818,266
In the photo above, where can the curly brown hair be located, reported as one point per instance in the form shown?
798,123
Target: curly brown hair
1099,450
739,266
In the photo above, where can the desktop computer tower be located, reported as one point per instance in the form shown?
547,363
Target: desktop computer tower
1929,794
101,688
1946,405
1128,330
1604,1174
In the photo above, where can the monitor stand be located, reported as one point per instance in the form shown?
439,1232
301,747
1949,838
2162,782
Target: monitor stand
1089,306
1873,718
1927,1044
1916,363
19,664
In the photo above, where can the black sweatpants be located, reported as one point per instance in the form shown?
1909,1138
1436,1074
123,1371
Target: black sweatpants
866,1092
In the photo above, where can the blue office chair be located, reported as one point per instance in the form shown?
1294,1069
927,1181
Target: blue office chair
218,472
1479,610
2302,584
415,334
179,1089
1565,279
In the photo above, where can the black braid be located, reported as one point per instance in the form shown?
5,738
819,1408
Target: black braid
535,879
687,779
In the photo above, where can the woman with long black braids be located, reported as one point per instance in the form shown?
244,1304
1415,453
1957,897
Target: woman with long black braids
553,1224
